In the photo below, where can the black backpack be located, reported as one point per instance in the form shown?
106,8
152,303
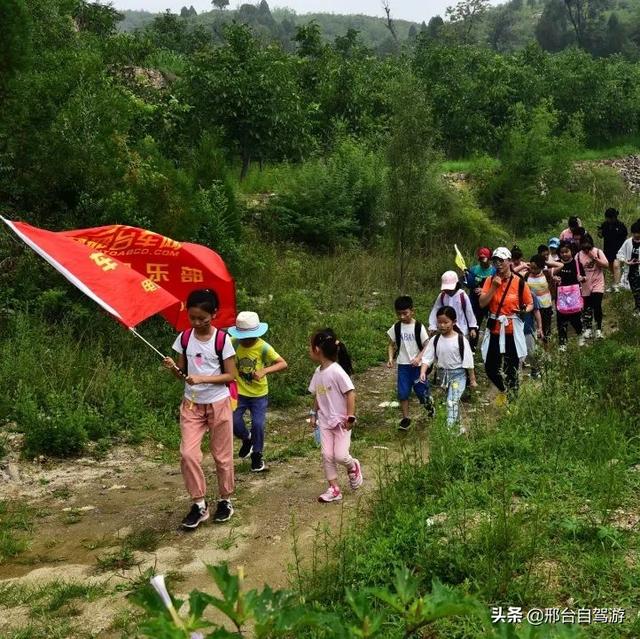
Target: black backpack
398,334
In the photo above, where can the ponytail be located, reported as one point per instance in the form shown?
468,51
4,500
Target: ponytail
332,348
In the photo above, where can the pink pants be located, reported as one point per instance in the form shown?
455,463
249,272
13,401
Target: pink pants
195,420
335,444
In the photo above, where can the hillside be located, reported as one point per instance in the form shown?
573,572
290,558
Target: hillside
280,24
611,27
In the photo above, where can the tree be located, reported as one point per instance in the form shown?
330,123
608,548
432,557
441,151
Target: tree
15,43
501,24
616,35
220,4
251,94
411,179
552,30
96,18
584,16
435,27
466,15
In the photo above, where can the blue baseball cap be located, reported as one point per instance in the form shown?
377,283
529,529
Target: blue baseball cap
554,242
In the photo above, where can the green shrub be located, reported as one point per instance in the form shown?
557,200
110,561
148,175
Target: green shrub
530,186
330,202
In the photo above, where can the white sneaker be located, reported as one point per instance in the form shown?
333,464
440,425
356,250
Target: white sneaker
587,333
636,313
331,494
581,340
599,334
562,348
609,289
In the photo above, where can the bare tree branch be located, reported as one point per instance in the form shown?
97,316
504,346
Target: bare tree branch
387,9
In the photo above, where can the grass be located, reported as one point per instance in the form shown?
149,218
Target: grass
121,560
536,509
16,522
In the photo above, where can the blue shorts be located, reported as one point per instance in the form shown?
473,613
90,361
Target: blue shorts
408,378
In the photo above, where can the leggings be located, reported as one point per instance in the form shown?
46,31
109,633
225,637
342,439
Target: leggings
592,310
575,319
508,360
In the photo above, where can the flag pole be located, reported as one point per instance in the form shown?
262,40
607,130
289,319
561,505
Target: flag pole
152,347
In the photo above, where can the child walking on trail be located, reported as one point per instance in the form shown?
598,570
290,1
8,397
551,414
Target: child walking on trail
569,301
450,350
255,359
452,295
334,410
407,338
539,282
474,280
207,361
594,263
629,254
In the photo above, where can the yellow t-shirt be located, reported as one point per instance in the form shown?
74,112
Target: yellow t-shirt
252,359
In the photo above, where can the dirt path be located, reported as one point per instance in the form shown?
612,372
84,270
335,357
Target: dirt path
85,510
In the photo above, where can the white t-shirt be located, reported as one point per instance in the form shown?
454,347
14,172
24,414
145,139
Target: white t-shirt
448,353
203,360
330,387
466,319
408,346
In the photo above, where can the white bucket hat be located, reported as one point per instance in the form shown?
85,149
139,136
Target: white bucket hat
248,325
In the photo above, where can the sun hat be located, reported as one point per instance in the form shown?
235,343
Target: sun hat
449,281
502,253
484,252
554,242
248,325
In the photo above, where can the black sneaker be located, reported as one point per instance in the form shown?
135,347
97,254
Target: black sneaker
245,449
196,516
430,407
257,465
224,511
404,424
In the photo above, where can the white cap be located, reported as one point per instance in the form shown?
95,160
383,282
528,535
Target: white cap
502,253
449,281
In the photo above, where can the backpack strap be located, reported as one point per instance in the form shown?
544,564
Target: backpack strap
220,338
461,346
396,330
418,335
185,336
441,300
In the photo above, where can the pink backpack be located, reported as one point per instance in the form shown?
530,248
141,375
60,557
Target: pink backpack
569,298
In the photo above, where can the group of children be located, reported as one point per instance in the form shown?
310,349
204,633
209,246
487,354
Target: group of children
225,372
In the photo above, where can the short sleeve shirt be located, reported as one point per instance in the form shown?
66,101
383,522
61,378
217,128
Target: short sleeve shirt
330,387
203,360
447,353
511,304
408,346
248,361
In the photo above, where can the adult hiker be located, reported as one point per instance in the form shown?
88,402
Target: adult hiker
613,233
507,296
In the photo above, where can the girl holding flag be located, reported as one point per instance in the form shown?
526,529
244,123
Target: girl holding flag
207,362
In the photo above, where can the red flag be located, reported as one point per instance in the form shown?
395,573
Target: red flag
178,267
123,292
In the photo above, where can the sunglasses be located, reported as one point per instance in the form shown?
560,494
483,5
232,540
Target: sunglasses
497,260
